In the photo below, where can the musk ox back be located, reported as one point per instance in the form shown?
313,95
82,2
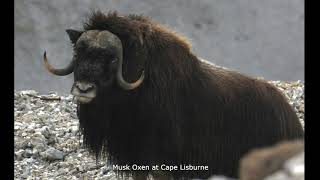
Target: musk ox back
144,98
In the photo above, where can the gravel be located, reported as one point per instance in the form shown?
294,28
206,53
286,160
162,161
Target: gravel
48,144
294,91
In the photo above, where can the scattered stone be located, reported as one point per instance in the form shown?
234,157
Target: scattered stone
19,154
45,132
27,153
52,154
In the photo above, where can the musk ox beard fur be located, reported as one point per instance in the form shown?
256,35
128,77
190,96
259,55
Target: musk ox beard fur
186,111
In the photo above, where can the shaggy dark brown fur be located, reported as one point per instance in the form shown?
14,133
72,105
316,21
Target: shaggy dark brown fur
185,111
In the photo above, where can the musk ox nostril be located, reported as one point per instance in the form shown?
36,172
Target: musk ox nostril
84,87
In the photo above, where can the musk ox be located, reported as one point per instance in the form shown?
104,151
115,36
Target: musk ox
144,98
263,162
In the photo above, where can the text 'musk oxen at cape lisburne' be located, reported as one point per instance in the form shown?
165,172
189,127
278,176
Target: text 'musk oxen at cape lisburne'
144,98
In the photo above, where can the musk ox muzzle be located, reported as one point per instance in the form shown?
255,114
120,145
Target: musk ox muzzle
84,92
102,40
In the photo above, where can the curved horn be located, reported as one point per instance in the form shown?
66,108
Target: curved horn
58,72
124,84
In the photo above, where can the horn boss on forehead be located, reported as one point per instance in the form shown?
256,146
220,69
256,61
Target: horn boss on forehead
100,39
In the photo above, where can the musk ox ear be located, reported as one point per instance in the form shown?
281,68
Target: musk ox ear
73,35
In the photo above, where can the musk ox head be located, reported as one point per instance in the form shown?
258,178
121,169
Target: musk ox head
97,63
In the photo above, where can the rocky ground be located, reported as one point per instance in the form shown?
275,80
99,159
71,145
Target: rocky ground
48,144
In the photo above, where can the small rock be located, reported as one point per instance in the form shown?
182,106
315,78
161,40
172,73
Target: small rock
30,92
19,154
52,154
22,107
73,171
63,171
37,140
51,141
68,110
35,153
90,166
45,132
27,153
80,168
26,174
23,144
74,129
30,160
105,170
